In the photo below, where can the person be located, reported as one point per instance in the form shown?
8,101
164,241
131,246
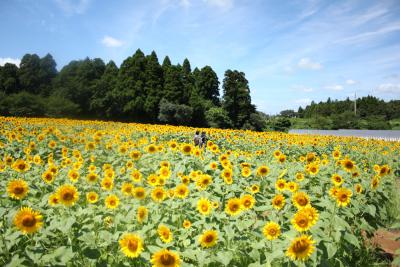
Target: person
197,139
203,140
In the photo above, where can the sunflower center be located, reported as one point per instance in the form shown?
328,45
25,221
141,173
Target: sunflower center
204,207
167,259
302,201
300,246
18,190
132,245
234,207
68,196
343,197
28,221
209,238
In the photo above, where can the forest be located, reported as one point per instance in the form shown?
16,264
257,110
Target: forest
140,90
143,90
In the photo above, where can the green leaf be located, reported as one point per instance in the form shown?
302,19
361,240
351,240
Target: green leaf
224,257
352,239
331,249
16,261
92,253
371,209
153,249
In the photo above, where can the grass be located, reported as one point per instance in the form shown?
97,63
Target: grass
395,124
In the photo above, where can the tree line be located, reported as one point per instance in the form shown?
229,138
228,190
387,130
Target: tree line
140,90
371,113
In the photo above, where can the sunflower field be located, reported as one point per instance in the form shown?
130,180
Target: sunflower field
91,193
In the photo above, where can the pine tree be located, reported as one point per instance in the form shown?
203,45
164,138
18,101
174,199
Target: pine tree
236,98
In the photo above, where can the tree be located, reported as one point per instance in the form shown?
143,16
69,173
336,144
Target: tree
9,82
174,89
217,117
28,73
236,98
153,86
174,113
101,102
130,93
288,113
47,73
207,84
77,82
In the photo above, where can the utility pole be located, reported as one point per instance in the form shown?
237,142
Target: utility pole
355,103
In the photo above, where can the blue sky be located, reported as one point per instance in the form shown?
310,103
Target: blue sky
291,51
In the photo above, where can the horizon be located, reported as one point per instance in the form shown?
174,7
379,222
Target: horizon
291,53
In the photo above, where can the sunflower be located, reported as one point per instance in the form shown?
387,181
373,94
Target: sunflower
375,182
21,165
186,224
17,189
301,221
28,221
358,188
92,177
301,248
337,180
348,165
226,174
213,165
131,245
384,170
246,172
186,149
255,188
136,176
277,153
248,201
234,206
142,213
107,183
333,191
135,154
92,197
164,233
67,194
151,149
313,168
336,154
73,175
152,179
271,230
280,184
300,200
282,158
204,206
112,202
278,201
292,186
165,258
158,194
53,200
48,177
127,189
262,170
208,239
343,197
181,191
165,172
139,193
109,173
311,213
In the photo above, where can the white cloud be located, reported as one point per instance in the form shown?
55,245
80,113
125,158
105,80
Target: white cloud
302,88
350,82
185,3
303,101
5,60
306,63
71,7
223,4
366,36
111,42
389,88
335,87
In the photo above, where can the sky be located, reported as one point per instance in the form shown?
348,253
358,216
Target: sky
292,52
